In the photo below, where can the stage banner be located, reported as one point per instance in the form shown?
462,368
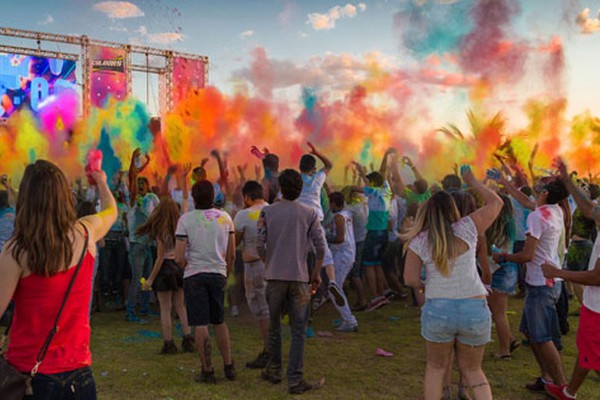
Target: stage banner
188,74
108,75
26,81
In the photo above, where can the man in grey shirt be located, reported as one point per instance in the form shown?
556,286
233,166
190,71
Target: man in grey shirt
285,229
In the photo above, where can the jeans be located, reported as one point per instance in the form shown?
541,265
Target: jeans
342,268
140,257
295,298
70,385
113,262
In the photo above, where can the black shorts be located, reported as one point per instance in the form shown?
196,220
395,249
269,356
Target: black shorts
170,277
205,299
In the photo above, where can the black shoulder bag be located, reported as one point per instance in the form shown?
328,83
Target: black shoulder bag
14,385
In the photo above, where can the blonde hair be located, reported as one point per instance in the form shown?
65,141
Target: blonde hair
436,216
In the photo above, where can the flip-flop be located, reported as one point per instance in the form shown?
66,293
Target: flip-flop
514,345
506,357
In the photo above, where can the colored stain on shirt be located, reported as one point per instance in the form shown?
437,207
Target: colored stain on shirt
254,215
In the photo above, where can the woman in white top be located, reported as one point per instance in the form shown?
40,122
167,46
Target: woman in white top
455,307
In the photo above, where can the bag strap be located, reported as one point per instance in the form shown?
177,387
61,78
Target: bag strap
42,353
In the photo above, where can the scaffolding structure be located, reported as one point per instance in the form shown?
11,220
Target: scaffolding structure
165,73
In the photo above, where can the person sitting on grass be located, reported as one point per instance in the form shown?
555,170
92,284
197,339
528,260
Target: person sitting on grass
455,307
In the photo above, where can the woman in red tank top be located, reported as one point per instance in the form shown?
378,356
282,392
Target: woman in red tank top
36,267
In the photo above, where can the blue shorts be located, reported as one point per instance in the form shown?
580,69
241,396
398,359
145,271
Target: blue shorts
504,280
375,244
467,320
540,319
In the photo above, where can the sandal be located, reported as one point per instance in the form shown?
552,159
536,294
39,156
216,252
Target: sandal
506,357
514,345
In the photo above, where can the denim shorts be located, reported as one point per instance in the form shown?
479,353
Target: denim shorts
375,244
467,320
205,298
504,280
540,319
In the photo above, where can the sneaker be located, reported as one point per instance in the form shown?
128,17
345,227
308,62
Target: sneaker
319,302
270,376
537,386
149,313
338,296
234,311
359,307
206,377
304,386
260,362
169,347
558,392
188,344
229,371
131,317
377,302
347,327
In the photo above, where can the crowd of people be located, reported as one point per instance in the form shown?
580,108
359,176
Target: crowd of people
295,239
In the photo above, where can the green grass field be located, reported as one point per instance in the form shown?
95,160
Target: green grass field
127,364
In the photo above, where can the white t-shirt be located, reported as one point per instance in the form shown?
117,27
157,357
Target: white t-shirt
546,225
311,192
245,222
207,233
591,294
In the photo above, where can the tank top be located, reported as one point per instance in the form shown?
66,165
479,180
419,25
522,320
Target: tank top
346,250
37,300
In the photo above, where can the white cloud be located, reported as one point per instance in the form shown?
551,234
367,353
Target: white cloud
302,34
586,24
158,38
246,34
165,37
119,9
49,19
320,21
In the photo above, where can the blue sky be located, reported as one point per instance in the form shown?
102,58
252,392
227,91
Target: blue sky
306,33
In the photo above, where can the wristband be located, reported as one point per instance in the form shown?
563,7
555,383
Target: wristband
502,258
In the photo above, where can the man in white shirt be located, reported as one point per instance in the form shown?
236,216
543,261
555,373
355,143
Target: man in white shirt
540,320
588,333
206,249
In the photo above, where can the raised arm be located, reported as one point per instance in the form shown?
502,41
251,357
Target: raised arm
327,164
222,168
187,167
384,161
485,216
360,170
584,203
517,194
412,166
133,175
100,223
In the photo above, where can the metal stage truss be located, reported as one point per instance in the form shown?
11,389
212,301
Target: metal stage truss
165,72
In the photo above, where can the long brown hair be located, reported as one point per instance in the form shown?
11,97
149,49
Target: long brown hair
162,223
436,216
44,221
